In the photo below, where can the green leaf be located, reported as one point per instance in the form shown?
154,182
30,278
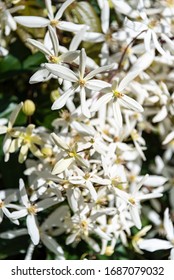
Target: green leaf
34,61
9,64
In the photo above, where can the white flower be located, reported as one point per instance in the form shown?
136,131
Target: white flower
52,55
71,158
9,131
80,80
54,21
30,210
114,93
159,244
133,200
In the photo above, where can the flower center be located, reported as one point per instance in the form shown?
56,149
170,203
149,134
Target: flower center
54,22
54,59
82,82
132,200
117,94
32,210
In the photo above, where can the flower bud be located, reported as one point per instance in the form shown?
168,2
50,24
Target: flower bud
54,95
28,107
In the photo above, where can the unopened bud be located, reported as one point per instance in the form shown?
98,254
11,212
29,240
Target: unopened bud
28,107
54,95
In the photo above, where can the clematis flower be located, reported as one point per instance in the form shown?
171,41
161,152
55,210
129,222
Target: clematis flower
30,210
155,244
54,21
52,55
81,82
9,131
114,93
133,200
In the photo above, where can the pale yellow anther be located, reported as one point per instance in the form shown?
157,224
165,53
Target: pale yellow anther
32,210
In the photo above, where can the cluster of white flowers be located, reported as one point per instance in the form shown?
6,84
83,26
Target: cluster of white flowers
88,171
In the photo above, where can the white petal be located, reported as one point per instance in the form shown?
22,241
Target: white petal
168,138
49,9
62,165
99,70
19,214
105,14
33,230
84,104
91,190
147,40
69,26
62,72
14,114
82,64
52,245
135,216
40,76
63,8
96,84
23,193
142,63
3,129
117,114
59,142
168,225
75,42
54,40
161,115
32,21
101,101
154,244
69,56
39,46
61,101
131,103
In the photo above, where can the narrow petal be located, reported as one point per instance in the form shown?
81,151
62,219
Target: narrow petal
32,21
117,114
59,142
54,40
23,193
168,138
147,40
84,105
101,101
62,72
19,214
40,76
62,165
135,216
33,230
69,26
63,8
49,9
52,245
82,64
99,70
39,46
61,101
142,63
131,103
14,114
154,244
96,84
69,56
168,225
161,115
75,42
